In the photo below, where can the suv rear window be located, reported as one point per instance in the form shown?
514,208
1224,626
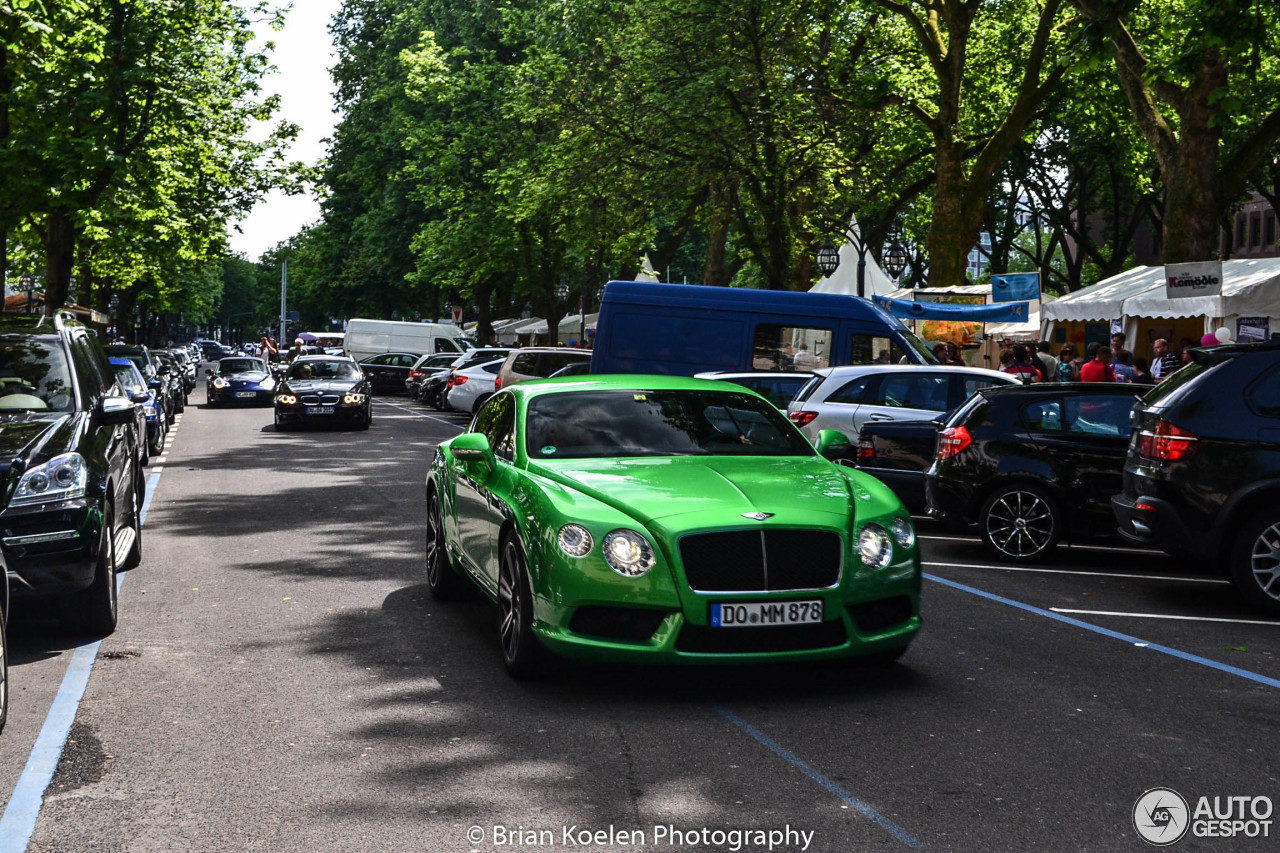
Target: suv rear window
1167,391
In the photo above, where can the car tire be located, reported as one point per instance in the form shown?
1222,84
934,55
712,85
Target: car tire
1020,522
443,581
1255,561
134,558
522,654
157,447
93,611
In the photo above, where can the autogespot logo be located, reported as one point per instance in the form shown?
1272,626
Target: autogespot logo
1161,817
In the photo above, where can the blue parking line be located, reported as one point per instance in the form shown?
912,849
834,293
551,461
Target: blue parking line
1107,632
800,764
19,819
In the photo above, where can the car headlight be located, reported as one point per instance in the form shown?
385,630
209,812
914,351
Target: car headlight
149,409
875,547
219,382
268,383
628,553
286,399
904,532
575,540
353,399
61,478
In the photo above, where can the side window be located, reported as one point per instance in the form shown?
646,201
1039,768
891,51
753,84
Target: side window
406,360
1098,415
778,347
1045,416
926,391
89,376
876,349
524,364
1264,395
860,390
971,385
445,345
497,421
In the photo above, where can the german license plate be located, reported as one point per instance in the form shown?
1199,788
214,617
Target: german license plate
763,614
319,410
246,394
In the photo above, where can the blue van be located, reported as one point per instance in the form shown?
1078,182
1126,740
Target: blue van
683,329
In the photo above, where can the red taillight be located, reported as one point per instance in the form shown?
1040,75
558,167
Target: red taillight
951,441
801,418
457,379
1166,443
866,450
497,382
415,374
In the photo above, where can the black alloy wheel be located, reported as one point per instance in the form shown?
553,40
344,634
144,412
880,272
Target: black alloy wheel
1255,561
443,582
1020,522
521,653
94,610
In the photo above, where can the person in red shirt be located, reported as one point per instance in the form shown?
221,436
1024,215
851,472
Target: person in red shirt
1098,370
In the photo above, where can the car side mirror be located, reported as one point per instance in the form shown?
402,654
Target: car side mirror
832,443
472,447
208,371
139,397
162,370
116,410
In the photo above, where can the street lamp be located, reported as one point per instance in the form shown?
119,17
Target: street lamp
28,283
828,258
895,258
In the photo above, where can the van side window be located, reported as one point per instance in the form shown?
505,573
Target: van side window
775,347
445,345
875,349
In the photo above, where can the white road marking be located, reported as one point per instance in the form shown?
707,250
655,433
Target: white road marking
1126,549
1074,572
1167,616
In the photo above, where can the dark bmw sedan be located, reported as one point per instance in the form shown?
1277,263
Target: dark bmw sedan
1032,465
321,389
240,379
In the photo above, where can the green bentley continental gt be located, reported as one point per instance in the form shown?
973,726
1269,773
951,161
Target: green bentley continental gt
667,520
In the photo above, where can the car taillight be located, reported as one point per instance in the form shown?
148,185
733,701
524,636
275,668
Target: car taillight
1166,443
457,380
497,382
415,374
951,441
801,418
866,450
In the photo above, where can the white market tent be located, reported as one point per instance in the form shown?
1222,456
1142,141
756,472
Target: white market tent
1250,289
570,325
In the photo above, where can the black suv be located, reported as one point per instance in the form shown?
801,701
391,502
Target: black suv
69,470
1202,474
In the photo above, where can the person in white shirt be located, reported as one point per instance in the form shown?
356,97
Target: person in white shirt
804,360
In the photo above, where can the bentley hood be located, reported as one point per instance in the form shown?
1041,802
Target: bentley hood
711,491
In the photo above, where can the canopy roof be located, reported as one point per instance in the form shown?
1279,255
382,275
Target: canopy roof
1250,286
1003,312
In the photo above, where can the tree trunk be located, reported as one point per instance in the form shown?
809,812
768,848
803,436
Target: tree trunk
60,249
721,209
1194,196
950,235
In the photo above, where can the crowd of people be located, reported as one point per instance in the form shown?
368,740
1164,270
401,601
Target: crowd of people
1035,362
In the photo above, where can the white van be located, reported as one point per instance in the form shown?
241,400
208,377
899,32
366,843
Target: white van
370,337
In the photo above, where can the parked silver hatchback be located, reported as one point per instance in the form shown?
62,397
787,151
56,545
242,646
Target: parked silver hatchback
845,398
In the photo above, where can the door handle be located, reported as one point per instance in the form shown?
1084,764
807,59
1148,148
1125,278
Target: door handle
881,417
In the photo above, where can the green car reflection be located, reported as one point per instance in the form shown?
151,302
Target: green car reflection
667,520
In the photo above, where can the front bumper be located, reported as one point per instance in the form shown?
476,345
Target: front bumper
342,414
231,395
51,549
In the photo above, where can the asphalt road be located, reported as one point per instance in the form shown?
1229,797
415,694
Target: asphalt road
281,681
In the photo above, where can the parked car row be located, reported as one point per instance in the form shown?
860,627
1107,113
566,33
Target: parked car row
72,441
1190,467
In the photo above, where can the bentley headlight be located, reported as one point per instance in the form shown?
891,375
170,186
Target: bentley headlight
628,553
874,547
219,382
904,533
287,400
575,540
353,399
61,478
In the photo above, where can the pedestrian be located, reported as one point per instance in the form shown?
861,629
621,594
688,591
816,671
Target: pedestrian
1186,356
1122,365
1142,372
953,355
804,360
1098,370
940,352
294,351
1046,362
1163,361
1066,369
1117,343
1021,366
